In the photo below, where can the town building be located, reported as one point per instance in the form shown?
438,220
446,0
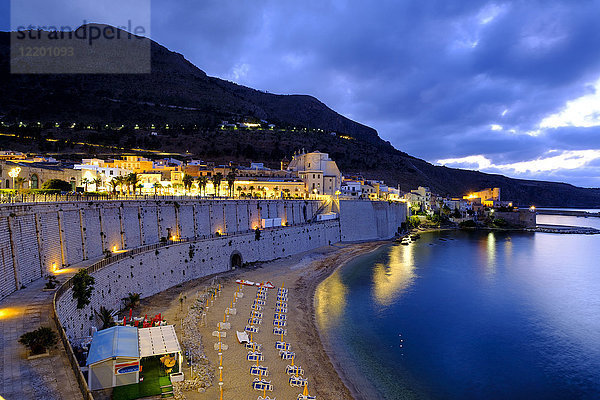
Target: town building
319,172
32,175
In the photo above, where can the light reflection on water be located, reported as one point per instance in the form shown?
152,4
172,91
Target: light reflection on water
488,315
393,276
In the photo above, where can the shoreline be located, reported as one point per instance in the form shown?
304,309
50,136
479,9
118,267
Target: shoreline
302,274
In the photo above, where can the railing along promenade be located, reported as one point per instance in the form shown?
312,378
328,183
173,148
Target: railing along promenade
54,198
83,386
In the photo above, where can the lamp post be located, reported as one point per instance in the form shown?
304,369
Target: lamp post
13,173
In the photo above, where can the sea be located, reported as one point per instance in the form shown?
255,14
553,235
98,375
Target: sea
469,315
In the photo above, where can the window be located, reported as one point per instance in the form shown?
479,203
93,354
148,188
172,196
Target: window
112,172
7,184
34,182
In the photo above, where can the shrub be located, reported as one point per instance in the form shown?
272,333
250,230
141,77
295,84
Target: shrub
59,184
83,284
39,340
468,224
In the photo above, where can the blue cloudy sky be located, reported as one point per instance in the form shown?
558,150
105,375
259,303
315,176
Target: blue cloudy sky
511,87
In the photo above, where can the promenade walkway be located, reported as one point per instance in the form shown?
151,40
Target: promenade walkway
48,377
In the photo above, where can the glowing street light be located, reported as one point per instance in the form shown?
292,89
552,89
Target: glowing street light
13,173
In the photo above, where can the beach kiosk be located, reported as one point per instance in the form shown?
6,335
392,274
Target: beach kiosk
115,354
114,358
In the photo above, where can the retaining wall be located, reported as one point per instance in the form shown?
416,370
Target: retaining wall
37,238
369,220
156,270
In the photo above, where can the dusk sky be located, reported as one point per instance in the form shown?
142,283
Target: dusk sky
511,87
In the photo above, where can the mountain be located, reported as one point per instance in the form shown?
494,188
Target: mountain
177,92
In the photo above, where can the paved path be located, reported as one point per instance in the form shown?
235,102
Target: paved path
43,378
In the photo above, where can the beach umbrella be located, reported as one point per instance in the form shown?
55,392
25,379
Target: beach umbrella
160,317
221,390
282,283
293,361
130,313
282,336
251,337
264,391
124,321
257,361
305,393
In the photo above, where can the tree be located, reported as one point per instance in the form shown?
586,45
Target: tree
83,284
59,184
157,186
97,182
231,181
132,180
287,193
187,180
202,182
239,190
132,300
19,181
106,316
86,181
251,188
39,340
119,181
113,186
216,181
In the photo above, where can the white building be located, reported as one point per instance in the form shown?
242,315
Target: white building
319,172
92,168
351,188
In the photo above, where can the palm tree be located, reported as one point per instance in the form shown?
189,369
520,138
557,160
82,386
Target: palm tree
19,181
264,190
97,182
131,300
202,181
86,181
251,188
239,190
216,181
276,189
113,185
187,180
287,192
157,186
106,316
231,181
119,181
132,180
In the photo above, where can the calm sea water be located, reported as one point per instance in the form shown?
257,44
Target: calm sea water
469,315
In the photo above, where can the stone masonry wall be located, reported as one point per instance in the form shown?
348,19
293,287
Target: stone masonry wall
154,271
37,238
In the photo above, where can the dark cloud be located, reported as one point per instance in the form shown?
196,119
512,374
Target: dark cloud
432,76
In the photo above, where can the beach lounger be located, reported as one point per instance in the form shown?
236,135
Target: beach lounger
282,346
282,298
282,291
217,333
293,369
281,317
281,310
296,381
238,295
256,314
242,337
259,370
232,311
253,346
279,323
278,331
254,321
224,325
261,384
222,347
258,302
266,398
286,355
280,304
251,328
255,356
303,397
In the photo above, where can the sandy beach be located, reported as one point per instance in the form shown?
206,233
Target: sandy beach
300,274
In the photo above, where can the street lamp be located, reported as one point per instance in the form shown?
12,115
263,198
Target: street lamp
13,173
